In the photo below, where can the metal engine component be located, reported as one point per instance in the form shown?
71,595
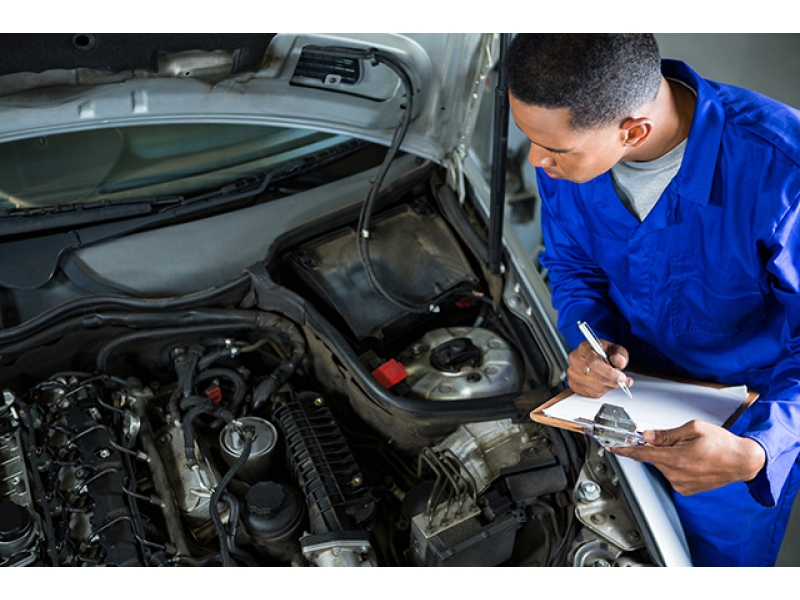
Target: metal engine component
231,443
98,469
600,505
18,531
192,487
460,363
339,504
453,530
485,449
19,524
14,483
467,521
595,552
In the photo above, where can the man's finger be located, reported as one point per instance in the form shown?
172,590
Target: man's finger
617,355
670,437
657,455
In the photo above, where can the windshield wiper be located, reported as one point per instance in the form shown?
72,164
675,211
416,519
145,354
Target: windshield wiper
21,221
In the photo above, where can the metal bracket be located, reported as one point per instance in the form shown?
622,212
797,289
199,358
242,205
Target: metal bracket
612,427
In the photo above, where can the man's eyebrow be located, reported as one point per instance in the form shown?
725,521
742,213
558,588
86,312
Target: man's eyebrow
553,150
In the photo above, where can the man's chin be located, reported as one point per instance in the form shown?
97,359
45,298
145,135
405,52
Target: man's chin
562,177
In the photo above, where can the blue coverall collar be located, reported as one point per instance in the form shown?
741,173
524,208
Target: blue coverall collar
696,176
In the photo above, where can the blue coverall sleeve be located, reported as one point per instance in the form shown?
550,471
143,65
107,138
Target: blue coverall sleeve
579,287
775,417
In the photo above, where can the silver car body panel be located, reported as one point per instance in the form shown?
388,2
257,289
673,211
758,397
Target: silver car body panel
446,70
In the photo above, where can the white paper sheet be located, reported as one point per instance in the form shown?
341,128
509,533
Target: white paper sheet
658,403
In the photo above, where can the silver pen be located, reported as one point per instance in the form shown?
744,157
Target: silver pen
595,344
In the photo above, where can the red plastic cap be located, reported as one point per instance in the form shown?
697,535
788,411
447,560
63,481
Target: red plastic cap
390,373
464,302
214,393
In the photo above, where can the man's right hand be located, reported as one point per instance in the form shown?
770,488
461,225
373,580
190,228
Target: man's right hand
589,375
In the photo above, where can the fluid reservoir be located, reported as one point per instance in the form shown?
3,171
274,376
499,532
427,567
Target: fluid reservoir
273,516
459,363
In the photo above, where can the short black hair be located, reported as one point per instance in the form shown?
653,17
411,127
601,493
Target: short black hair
600,77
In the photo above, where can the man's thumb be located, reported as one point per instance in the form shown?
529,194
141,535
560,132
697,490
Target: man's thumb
662,437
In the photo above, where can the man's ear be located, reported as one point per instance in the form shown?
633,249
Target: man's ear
636,131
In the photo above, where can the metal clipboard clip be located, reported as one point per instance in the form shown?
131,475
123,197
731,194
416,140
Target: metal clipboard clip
612,427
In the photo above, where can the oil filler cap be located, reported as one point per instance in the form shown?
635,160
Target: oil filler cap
455,354
265,498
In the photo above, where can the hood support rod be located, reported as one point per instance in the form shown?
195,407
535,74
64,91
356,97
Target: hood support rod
499,152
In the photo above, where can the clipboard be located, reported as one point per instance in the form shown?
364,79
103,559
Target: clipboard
608,421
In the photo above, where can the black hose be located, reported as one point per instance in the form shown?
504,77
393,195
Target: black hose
558,559
211,357
282,372
114,344
363,234
224,550
572,449
184,362
136,517
197,406
234,505
203,561
98,303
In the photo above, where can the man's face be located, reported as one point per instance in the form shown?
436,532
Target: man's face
562,152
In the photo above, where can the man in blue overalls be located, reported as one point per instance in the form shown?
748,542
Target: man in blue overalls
671,220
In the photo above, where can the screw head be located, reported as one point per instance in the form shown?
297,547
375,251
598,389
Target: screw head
601,562
589,491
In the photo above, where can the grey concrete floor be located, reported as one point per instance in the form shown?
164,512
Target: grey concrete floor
767,63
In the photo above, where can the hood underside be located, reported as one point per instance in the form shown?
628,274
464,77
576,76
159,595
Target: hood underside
53,83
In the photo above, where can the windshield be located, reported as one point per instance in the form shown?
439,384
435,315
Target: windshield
132,162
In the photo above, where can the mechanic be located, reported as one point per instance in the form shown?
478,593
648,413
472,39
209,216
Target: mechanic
671,222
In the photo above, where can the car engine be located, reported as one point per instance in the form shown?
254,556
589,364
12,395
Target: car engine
295,418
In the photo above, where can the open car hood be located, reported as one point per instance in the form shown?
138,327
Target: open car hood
280,345
53,83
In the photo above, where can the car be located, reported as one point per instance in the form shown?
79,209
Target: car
259,308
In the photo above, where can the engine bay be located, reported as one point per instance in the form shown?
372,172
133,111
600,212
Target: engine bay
295,418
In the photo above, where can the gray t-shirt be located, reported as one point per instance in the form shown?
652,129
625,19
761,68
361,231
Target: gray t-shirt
640,184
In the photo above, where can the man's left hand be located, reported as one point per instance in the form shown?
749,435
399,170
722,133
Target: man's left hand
698,456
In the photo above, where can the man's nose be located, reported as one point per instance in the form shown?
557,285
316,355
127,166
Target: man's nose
540,158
